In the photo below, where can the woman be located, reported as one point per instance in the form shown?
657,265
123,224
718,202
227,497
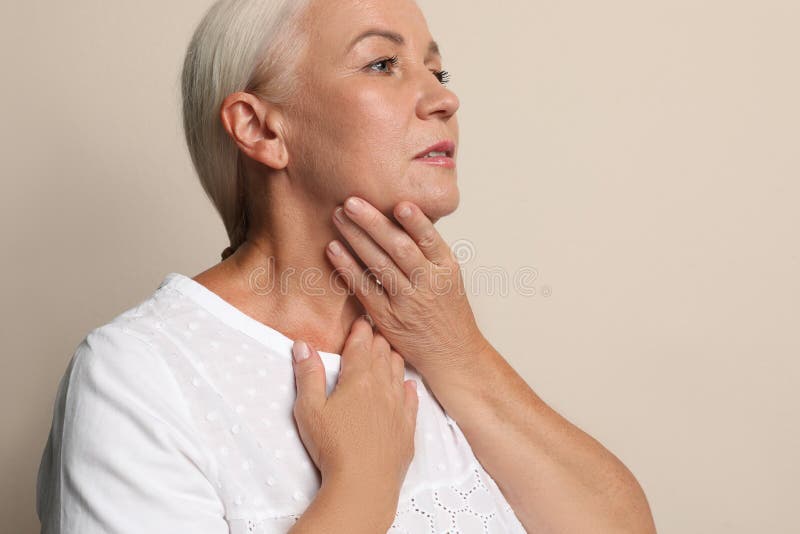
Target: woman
256,396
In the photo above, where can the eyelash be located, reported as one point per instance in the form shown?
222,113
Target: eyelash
442,75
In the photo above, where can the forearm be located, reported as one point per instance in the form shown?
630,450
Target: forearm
556,477
342,507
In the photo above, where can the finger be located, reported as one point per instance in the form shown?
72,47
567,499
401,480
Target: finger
398,371
363,285
412,403
382,362
309,375
398,367
424,234
390,237
380,347
377,260
357,345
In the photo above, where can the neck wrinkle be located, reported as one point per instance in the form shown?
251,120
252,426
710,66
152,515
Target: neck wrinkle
285,278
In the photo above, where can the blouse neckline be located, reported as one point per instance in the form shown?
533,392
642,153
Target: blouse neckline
233,316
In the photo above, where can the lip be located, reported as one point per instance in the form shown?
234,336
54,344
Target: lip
447,146
438,161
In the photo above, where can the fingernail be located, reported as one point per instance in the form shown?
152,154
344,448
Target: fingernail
405,211
414,383
335,248
353,205
339,214
300,351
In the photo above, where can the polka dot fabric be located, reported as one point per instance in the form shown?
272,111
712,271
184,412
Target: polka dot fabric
234,377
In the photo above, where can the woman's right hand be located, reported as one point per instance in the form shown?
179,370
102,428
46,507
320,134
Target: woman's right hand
364,431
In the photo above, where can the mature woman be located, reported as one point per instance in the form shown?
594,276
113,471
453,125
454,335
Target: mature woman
274,391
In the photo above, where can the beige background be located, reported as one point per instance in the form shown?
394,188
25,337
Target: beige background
642,157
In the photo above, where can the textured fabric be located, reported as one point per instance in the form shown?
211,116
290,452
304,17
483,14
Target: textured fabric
176,416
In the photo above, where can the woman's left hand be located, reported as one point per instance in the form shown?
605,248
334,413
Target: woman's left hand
420,305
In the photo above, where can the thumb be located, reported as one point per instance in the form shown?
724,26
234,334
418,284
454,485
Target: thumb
309,375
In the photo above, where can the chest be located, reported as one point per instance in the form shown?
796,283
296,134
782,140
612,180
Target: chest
241,398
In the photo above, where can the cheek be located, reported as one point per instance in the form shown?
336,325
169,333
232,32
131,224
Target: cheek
371,131
376,123
357,138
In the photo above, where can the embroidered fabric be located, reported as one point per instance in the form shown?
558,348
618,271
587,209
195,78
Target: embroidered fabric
466,506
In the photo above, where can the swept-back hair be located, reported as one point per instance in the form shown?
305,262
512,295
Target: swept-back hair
239,45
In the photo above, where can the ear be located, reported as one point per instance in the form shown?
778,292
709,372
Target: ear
256,128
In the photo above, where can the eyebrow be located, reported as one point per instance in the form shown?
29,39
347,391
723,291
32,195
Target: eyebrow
433,47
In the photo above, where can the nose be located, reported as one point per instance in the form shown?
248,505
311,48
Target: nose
436,99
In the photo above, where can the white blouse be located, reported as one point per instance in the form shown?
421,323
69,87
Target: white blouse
176,416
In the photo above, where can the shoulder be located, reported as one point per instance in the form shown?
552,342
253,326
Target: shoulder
119,375
120,360
121,431
118,379
128,357
124,368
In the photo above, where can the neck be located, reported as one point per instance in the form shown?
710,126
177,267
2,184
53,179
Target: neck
281,276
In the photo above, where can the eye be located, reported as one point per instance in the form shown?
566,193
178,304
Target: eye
393,60
442,75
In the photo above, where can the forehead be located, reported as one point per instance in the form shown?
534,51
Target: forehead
335,25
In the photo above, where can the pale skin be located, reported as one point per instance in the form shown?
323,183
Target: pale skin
355,131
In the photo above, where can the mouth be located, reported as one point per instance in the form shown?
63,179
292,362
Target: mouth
440,154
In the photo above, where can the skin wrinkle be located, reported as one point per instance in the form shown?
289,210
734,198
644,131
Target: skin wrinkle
351,129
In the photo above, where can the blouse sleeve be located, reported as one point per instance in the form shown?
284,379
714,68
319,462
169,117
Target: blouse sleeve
121,456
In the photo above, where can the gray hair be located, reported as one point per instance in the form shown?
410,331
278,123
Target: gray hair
239,45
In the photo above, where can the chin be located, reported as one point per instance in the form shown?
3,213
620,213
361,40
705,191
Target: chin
435,202
437,207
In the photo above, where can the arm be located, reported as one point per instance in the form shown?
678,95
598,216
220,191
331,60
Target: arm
556,477
341,507
120,458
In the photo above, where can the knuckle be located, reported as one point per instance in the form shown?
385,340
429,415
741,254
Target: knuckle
382,263
306,370
299,410
371,219
403,247
427,240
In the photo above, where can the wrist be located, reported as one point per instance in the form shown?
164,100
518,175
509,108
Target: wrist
459,366
373,501
463,389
